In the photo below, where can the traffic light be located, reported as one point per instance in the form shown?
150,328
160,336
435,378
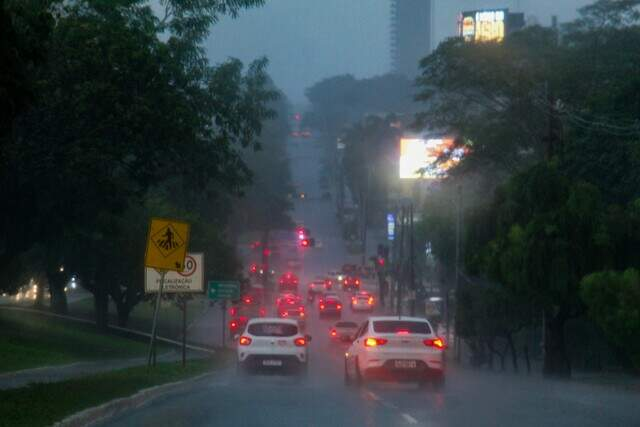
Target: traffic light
381,261
307,242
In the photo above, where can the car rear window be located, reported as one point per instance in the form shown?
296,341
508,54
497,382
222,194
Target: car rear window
346,325
395,326
272,329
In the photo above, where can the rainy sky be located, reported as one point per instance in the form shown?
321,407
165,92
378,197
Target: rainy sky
307,40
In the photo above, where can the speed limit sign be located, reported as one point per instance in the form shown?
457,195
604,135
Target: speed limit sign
189,280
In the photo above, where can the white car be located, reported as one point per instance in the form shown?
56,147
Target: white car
362,301
395,347
272,343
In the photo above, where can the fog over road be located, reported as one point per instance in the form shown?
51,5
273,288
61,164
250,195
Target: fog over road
477,398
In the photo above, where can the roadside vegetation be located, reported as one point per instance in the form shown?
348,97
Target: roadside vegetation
32,340
43,404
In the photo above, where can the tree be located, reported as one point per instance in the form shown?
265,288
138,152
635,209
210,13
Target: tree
108,128
612,299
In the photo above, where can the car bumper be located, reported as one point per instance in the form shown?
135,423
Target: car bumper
387,370
330,312
272,362
361,307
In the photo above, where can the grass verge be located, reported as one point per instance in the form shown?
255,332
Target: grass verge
30,340
141,318
42,404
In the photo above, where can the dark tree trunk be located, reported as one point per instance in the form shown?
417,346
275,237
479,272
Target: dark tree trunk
56,289
123,313
512,348
526,358
101,304
42,280
556,363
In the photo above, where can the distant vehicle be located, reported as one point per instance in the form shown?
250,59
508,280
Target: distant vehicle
330,305
343,331
288,282
295,312
272,343
314,289
241,313
295,134
394,347
288,300
350,283
362,301
305,133
337,276
328,284
349,268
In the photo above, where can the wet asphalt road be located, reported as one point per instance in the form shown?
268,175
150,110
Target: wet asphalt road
470,398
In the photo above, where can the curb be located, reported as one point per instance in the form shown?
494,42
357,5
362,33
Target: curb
113,408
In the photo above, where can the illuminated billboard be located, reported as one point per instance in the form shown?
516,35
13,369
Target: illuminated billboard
429,158
484,25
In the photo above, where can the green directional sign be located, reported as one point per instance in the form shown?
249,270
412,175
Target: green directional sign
224,289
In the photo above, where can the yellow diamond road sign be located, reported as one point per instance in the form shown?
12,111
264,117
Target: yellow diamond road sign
167,244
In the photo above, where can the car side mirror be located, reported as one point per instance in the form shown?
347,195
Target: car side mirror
308,338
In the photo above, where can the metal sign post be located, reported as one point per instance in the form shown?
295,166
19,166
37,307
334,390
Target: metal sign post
223,304
154,327
184,332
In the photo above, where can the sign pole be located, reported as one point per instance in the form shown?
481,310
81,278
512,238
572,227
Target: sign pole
154,325
184,332
223,304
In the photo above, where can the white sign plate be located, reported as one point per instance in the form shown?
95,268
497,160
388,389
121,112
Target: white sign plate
189,280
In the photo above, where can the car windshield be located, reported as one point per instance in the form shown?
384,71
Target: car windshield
272,329
400,326
346,325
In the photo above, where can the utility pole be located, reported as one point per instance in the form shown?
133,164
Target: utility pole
365,202
400,274
457,276
412,281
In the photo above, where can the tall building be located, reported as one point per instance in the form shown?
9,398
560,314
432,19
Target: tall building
411,23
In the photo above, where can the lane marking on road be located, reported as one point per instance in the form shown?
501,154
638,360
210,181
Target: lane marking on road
409,419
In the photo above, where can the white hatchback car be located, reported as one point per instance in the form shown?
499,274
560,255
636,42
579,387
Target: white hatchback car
395,347
272,343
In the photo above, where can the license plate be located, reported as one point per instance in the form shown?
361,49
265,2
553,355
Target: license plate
272,363
405,364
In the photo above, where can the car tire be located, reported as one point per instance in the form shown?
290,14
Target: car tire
359,377
347,377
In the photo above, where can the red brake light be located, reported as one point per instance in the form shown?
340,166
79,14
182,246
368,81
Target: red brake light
353,299
357,282
233,311
300,342
402,332
247,300
283,314
263,312
321,306
374,342
233,324
435,342
339,306
333,333
301,308
370,301
244,340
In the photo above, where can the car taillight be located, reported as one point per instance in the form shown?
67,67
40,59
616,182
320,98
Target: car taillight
247,300
345,281
402,332
374,342
233,324
302,314
233,311
284,314
321,306
339,306
370,301
300,342
263,312
333,333
244,340
435,342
